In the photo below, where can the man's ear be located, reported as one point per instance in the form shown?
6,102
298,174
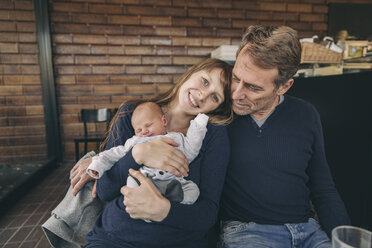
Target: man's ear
285,87
164,119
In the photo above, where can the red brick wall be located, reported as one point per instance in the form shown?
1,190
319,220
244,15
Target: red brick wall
109,50
22,129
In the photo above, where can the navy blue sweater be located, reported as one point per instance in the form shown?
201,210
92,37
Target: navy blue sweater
277,169
185,225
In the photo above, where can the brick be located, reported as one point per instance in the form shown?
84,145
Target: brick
75,69
75,90
200,51
124,60
156,20
187,21
9,48
323,9
164,88
186,41
186,60
8,37
4,123
138,30
30,69
242,23
157,79
11,58
10,90
91,60
35,110
30,59
23,100
69,7
92,79
216,4
107,50
60,17
272,23
27,37
6,4
28,48
139,50
32,90
65,119
215,41
74,109
157,2
319,26
26,27
93,99
285,16
155,40
89,18
24,16
24,150
110,89
272,6
120,99
63,59
7,26
171,69
30,140
299,7
23,5
230,13
144,69
200,32
72,49
13,111
312,17
230,32
189,3
156,60
123,19
299,25
7,15
202,12
124,79
106,29
61,79
216,23
107,69
141,89
170,50
29,120
123,40
12,69
62,38
70,28
154,10
22,79
106,8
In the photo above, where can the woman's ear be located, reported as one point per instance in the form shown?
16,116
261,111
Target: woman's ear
164,119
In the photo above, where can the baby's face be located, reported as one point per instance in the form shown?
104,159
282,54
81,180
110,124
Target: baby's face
147,123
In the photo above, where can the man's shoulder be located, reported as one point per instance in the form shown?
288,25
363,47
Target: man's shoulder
298,104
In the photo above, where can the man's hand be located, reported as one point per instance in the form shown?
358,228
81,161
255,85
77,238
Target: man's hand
79,177
144,202
161,154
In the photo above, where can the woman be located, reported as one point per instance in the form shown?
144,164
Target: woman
204,88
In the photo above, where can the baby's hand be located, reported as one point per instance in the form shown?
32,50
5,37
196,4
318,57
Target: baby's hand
93,173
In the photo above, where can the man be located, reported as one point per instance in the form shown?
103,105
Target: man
278,162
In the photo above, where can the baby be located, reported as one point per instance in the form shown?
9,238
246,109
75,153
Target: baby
150,123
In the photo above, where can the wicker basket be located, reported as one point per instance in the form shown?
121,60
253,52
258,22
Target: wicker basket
315,53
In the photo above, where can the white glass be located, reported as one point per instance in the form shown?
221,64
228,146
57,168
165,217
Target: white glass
351,237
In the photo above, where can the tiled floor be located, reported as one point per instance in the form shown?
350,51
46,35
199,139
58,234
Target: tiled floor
20,227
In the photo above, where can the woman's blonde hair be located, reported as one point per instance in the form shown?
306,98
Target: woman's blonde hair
222,115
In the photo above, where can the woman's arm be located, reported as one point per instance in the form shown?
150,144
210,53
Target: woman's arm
208,171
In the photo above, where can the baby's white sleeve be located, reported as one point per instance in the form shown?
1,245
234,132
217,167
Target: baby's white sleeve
105,160
195,135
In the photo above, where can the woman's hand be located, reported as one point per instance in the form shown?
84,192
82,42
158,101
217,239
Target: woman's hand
145,201
161,154
79,176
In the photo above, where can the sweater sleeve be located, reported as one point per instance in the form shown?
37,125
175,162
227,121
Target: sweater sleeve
108,186
327,202
212,163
